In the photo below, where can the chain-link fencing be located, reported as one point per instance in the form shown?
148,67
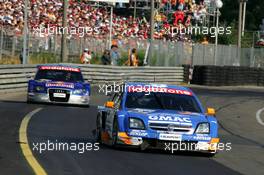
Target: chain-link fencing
165,53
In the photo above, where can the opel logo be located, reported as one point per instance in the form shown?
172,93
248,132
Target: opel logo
171,127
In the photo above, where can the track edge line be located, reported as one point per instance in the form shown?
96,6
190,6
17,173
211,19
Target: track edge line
23,140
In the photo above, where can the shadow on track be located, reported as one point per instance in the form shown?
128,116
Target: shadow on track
150,150
13,101
44,104
156,151
59,104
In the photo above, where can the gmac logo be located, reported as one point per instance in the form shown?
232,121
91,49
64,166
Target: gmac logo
170,118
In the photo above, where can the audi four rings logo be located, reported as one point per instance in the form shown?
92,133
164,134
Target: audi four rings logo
59,91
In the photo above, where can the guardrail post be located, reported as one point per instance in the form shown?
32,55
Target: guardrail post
14,39
1,43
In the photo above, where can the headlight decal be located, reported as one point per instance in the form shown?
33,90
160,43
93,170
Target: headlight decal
39,88
79,91
136,123
203,128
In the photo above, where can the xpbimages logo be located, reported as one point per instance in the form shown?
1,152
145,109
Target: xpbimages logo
53,30
200,146
196,30
80,147
146,88
119,88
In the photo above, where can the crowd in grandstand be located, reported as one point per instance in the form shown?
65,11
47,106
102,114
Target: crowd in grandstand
44,13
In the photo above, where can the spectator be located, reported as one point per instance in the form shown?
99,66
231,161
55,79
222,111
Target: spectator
178,16
86,57
181,4
44,13
133,58
188,21
173,4
21,56
105,59
205,41
115,56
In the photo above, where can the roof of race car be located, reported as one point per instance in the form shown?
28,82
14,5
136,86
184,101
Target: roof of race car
158,85
58,65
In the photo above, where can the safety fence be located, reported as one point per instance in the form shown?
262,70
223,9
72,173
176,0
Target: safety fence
15,77
165,53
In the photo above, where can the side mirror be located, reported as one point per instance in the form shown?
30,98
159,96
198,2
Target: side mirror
30,77
109,94
109,104
210,111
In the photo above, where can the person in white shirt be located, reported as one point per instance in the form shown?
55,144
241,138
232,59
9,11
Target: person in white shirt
86,57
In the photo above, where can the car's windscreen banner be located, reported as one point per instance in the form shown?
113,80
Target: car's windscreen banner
71,69
148,89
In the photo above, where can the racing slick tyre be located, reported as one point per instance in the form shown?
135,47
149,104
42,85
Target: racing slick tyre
98,131
29,101
210,154
115,134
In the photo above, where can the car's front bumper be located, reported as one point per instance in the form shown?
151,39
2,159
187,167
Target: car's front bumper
45,98
190,143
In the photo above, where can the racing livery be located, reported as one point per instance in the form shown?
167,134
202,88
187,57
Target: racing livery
58,83
153,115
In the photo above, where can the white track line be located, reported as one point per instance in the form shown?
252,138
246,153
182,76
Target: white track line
258,116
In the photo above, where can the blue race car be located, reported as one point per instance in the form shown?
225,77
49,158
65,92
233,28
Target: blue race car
59,84
157,116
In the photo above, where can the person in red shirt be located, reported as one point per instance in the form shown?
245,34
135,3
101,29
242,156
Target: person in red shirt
178,15
164,2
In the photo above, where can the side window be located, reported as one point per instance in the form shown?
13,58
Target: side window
119,100
112,97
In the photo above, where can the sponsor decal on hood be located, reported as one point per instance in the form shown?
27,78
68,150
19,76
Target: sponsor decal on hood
143,111
60,84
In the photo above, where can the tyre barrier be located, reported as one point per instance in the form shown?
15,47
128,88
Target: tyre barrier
227,76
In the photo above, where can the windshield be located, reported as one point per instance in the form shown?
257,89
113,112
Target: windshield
161,100
59,75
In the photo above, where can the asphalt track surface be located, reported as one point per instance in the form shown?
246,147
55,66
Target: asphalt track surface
236,112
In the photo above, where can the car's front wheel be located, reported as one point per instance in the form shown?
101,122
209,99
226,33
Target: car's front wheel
29,101
115,133
210,154
98,129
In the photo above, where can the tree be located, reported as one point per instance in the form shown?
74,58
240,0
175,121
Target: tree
254,14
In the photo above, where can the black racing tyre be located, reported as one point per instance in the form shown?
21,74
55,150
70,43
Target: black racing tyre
210,154
98,129
115,133
29,101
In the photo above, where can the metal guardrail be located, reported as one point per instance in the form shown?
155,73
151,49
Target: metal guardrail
14,78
